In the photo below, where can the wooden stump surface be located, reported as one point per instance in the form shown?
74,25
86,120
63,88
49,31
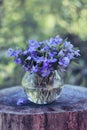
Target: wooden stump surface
68,112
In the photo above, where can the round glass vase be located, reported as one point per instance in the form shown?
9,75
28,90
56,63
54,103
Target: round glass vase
41,90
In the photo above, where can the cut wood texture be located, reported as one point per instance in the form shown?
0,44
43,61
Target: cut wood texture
68,112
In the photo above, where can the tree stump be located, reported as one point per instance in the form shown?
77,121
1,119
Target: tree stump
68,112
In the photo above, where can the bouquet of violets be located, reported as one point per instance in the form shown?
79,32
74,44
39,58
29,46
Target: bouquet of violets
44,57
42,61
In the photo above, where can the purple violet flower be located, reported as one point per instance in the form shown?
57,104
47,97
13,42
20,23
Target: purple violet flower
21,101
58,39
12,52
70,55
44,70
17,61
25,52
52,41
34,69
77,53
39,59
33,45
64,61
68,45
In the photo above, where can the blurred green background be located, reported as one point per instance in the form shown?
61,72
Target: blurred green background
21,20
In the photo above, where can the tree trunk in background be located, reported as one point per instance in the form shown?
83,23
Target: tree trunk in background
24,21
1,2
69,112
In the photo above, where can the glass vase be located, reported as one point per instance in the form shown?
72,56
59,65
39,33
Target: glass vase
41,90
